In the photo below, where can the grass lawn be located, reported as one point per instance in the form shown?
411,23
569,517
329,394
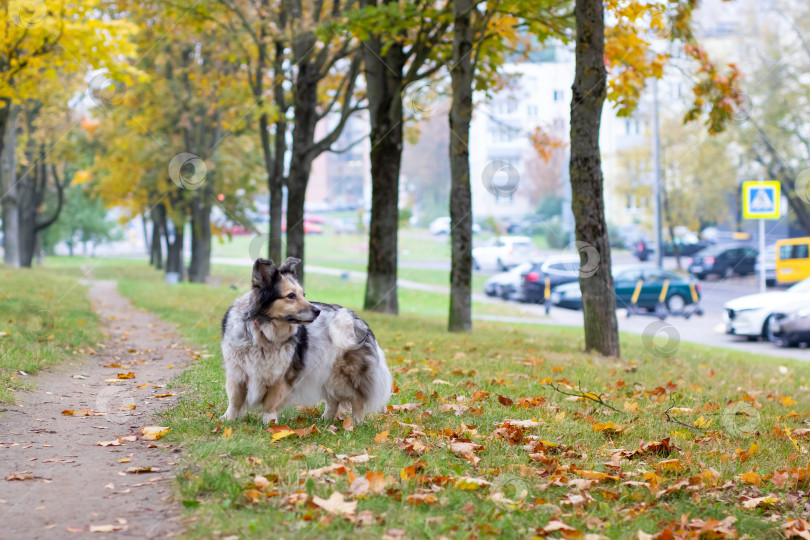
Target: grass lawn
318,286
349,248
479,444
44,319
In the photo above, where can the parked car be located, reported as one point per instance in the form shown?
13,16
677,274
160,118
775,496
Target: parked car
769,260
685,249
345,226
792,259
441,227
310,226
642,249
506,284
749,315
679,293
791,325
504,252
723,261
559,270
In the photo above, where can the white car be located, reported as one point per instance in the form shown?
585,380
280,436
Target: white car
749,316
441,226
504,252
505,284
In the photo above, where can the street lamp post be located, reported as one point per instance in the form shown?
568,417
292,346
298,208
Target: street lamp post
657,178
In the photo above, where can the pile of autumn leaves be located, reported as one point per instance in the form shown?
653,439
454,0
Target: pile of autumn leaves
633,480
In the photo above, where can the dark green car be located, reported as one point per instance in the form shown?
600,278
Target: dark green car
625,278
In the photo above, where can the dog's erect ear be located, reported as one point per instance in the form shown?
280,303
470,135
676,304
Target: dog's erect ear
263,273
288,265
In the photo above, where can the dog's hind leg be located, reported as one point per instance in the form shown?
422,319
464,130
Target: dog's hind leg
358,409
331,409
273,400
237,391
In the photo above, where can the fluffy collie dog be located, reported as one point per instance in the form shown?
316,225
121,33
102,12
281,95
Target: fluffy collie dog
280,350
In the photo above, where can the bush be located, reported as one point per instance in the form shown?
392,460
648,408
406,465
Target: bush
555,236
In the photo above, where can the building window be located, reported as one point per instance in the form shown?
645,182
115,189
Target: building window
558,95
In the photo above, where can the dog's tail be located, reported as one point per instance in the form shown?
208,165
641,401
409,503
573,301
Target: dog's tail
382,384
349,332
344,332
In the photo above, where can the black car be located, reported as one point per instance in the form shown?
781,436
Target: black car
558,270
724,261
642,249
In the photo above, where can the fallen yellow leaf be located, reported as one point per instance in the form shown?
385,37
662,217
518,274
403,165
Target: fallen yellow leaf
153,433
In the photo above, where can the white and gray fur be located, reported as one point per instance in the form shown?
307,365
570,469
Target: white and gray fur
280,350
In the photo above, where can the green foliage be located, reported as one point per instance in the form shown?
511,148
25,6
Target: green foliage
550,207
555,236
83,220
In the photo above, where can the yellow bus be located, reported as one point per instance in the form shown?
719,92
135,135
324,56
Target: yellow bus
792,260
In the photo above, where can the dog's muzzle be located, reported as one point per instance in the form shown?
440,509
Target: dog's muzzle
302,318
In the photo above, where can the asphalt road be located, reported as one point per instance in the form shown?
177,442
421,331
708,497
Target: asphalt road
707,329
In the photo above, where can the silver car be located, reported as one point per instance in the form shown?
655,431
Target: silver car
790,326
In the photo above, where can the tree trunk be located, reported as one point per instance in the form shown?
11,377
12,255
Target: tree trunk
384,76
587,201
200,266
276,183
9,193
305,101
158,214
460,317
29,200
273,158
174,250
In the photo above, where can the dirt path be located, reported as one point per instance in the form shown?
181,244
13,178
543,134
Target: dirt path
55,480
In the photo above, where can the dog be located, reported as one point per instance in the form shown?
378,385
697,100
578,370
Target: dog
279,350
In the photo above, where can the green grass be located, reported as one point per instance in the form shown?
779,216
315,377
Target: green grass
216,476
44,318
413,244
327,287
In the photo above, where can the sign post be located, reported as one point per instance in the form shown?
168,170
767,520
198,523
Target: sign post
761,201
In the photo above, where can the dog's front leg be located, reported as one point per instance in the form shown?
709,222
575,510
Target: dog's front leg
273,400
237,391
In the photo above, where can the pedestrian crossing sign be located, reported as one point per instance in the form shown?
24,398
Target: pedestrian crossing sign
761,200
